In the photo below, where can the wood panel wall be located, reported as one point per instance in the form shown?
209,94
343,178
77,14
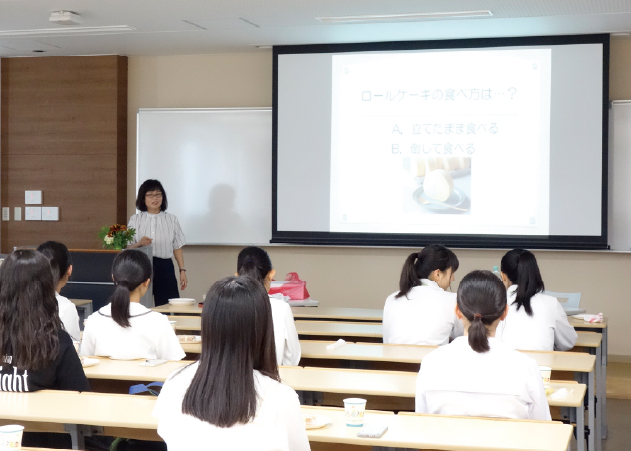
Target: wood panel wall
64,132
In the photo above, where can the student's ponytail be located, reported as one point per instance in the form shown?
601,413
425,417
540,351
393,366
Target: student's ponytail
130,269
482,300
520,266
419,265
254,262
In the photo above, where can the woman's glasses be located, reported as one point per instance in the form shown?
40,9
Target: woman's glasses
153,195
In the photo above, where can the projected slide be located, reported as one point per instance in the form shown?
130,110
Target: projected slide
443,142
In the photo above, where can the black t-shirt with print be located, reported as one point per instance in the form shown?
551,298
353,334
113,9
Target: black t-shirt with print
64,373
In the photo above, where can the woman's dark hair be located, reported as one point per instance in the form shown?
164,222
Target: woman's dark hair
420,265
29,314
254,262
237,338
58,256
129,270
520,266
482,300
150,185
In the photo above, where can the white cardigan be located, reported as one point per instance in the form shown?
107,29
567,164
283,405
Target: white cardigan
426,316
285,335
546,330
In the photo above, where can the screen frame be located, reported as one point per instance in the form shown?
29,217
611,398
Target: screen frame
575,242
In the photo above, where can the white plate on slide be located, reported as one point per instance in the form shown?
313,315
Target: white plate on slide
457,199
182,301
319,422
86,362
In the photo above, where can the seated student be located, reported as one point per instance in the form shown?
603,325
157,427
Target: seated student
535,321
478,375
125,329
232,397
61,264
422,312
36,352
255,262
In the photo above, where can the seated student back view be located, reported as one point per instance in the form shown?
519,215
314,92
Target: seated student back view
422,311
125,329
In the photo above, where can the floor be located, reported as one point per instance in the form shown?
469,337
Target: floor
618,407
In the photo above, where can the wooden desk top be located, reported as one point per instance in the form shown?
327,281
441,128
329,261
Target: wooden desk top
344,313
588,339
130,370
559,361
575,322
194,309
416,431
338,329
80,302
187,322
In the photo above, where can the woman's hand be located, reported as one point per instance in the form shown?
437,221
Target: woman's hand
183,280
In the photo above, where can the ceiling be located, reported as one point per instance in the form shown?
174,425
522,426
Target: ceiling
170,27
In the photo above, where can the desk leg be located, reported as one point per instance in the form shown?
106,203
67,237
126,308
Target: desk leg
591,412
603,376
580,428
77,434
600,395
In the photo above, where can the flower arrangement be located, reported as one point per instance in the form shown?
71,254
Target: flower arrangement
116,236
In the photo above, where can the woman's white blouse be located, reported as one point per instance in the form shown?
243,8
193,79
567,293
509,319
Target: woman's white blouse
546,330
69,317
285,335
426,316
500,383
164,229
149,337
277,426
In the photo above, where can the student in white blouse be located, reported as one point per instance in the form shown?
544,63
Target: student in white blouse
535,321
422,312
232,398
61,265
125,329
477,374
161,230
255,262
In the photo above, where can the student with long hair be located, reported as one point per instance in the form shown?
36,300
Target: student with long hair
535,321
477,374
422,311
36,352
255,262
125,329
61,265
232,398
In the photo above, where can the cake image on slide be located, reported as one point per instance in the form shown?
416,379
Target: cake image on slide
445,183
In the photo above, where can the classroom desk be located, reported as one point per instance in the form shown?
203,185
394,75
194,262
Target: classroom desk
170,309
130,370
603,329
133,413
192,323
339,329
339,313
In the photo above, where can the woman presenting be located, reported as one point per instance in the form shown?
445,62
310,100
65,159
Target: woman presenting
161,230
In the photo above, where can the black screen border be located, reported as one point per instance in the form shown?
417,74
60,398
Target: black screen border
460,241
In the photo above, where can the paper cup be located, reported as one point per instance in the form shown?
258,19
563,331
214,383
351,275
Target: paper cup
11,437
354,411
546,371
173,323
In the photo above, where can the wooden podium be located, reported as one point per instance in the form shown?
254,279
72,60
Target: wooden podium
92,276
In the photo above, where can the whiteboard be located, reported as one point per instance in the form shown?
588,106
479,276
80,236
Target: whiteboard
619,216
216,168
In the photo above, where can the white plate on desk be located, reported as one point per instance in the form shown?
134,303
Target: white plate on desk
86,362
319,422
182,301
190,338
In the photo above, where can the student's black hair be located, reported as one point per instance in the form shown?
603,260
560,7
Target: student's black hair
520,266
29,314
254,262
482,300
130,269
420,265
58,256
150,185
237,338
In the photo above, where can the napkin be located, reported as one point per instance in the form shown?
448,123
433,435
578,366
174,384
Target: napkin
280,297
338,344
590,318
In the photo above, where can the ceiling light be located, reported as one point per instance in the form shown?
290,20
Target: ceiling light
65,18
405,17
67,31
